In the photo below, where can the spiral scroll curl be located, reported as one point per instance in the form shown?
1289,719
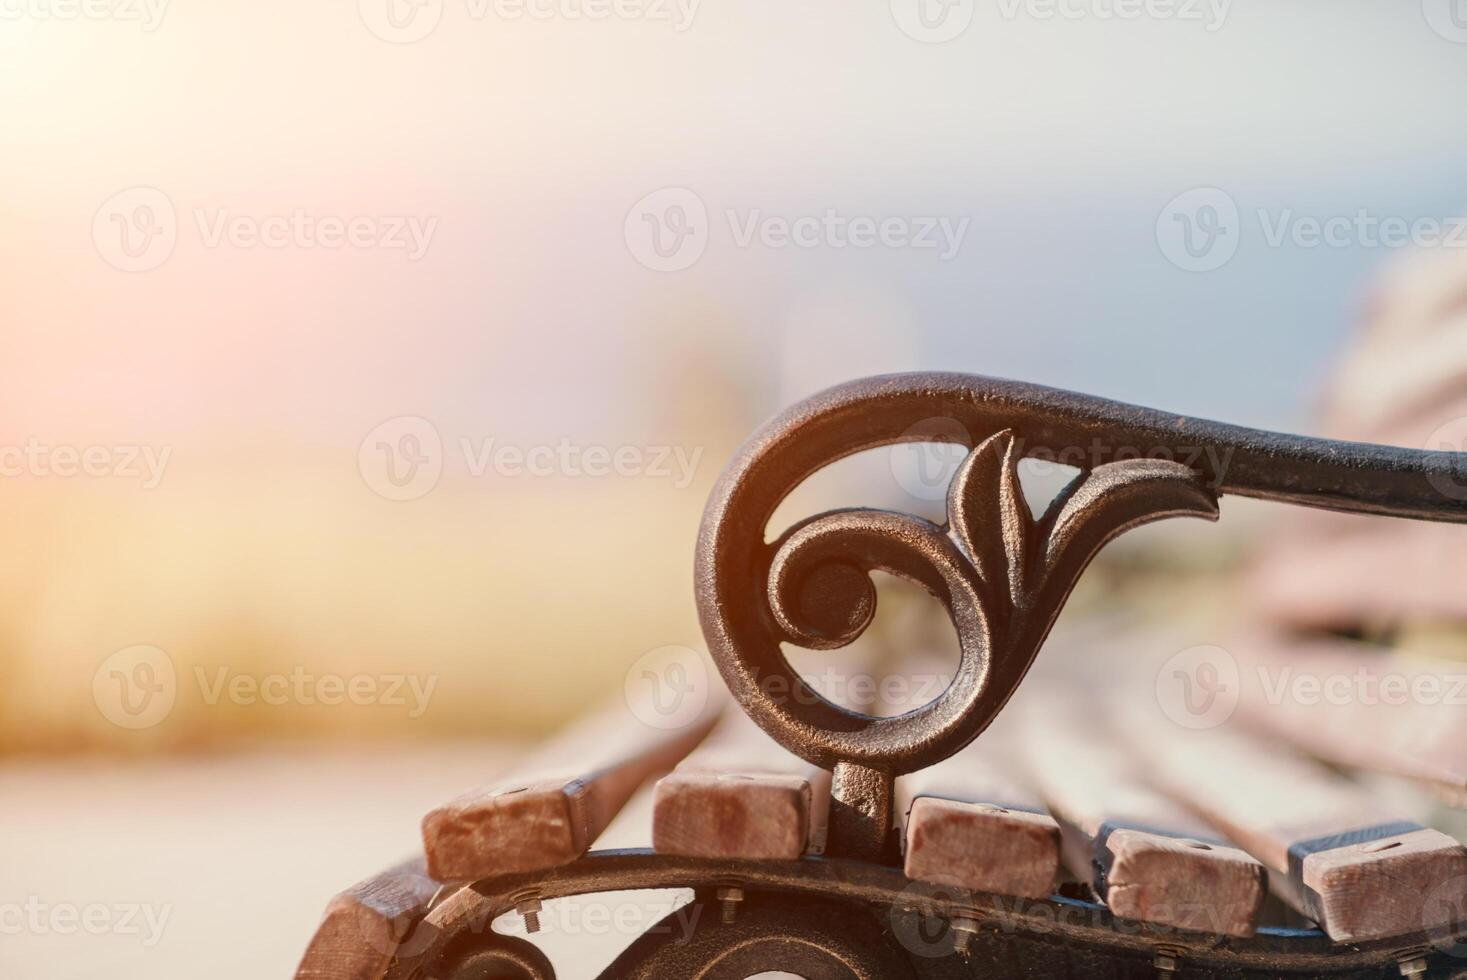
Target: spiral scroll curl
1001,574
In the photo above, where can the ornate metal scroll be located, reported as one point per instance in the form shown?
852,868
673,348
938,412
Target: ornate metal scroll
1002,574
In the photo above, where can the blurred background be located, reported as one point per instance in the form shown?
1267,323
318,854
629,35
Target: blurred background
366,365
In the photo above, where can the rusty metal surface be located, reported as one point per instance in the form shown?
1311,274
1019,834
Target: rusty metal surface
1073,938
1003,575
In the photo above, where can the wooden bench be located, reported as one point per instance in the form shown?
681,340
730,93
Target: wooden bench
1173,844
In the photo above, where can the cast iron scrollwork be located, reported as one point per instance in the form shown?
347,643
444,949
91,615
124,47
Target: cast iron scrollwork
1002,575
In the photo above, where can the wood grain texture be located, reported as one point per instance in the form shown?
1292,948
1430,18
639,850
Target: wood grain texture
552,809
1348,573
1401,381
968,821
1360,869
1146,857
740,795
364,925
1359,707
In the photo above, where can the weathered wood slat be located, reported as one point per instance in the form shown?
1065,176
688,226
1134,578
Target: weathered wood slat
363,925
1147,858
968,821
1356,573
1360,869
552,809
1359,707
740,795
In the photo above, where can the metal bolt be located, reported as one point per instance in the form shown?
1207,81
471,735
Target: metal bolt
529,909
1165,961
1412,963
730,898
964,929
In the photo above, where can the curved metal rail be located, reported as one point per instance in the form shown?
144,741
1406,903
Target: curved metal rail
920,923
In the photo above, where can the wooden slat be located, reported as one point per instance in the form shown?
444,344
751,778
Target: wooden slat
968,821
363,925
1401,381
1147,858
1359,869
1359,707
1363,572
740,795
553,808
